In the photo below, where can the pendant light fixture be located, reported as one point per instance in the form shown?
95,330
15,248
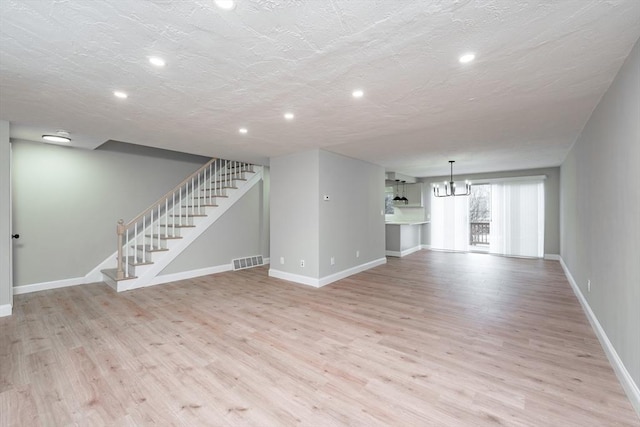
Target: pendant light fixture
397,198
404,198
450,187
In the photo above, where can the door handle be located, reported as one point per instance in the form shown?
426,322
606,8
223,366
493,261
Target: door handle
15,236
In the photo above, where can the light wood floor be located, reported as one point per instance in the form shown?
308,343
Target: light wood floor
432,339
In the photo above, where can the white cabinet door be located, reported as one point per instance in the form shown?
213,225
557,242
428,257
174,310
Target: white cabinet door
414,194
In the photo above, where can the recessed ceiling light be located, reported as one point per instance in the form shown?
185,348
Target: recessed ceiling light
289,116
120,94
225,4
60,136
358,93
243,130
467,57
157,61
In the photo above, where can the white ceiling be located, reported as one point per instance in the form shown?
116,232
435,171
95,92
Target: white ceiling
541,68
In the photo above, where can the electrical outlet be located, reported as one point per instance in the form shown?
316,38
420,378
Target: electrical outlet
333,260
357,254
589,285
281,260
301,263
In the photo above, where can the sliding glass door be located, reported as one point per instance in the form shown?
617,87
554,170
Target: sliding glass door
502,217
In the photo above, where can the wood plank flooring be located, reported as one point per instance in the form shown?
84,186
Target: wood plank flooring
432,339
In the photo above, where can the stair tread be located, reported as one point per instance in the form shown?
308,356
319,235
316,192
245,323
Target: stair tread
164,237
188,215
149,248
113,273
210,197
177,226
221,188
203,206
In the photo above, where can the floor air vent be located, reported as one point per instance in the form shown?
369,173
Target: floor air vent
252,261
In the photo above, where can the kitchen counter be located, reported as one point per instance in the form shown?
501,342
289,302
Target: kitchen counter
406,222
402,237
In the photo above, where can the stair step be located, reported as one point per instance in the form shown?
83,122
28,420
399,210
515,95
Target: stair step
188,215
163,237
202,205
212,197
230,179
149,248
134,261
219,188
177,225
113,274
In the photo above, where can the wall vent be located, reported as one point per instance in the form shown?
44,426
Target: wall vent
248,262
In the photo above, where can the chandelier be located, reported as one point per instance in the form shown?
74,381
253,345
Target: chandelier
450,187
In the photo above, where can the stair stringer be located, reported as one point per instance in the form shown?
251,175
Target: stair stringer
176,247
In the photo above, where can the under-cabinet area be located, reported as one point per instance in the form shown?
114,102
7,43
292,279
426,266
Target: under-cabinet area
403,238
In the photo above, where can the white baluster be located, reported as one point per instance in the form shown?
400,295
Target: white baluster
126,254
144,246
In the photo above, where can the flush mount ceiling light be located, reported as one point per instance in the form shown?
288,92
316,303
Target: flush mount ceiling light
467,57
225,4
243,130
157,61
358,93
60,136
120,94
450,187
289,116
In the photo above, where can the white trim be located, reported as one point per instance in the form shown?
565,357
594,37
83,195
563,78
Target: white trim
183,275
629,386
425,247
552,257
297,278
318,283
44,286
403,253
96,275
351,271
5,310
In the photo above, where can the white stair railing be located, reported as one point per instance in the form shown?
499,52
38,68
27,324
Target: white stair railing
176,209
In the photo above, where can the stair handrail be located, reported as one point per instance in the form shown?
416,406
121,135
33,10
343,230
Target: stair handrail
175,195
121,227
168,193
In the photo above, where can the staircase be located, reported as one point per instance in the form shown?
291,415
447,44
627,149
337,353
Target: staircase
154,238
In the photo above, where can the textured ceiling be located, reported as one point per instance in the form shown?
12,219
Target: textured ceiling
541,68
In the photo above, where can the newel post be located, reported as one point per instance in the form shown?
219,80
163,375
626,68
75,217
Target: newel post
120,229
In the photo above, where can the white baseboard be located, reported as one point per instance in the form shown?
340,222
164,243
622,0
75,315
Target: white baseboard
403,253
5,310
44,286
629,386
183,275
552,257
317,283
425,247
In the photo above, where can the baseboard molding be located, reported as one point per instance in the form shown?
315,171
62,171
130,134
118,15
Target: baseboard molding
45,286
425,247
351,271
629,386
405,252
5,310
552,257
323,281
183,275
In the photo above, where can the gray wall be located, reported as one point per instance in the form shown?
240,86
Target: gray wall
236,234
67,201
350,221
5,215
304,226
295,214
551,201
600,212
